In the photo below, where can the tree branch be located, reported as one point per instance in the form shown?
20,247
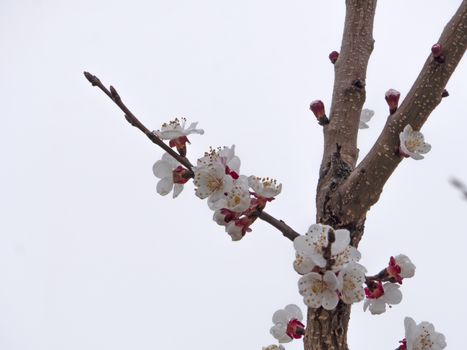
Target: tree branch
130,117
286,230
363,187
348,93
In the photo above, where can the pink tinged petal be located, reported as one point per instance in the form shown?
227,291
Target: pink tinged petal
178,188
162,169
330,300
342,241
281,316
294,312
392,294
164,186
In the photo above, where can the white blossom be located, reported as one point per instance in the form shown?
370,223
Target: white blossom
314,242
319,290
422,336
225,156
406,265
273,347
163,169
264,187
215,173
223,216
176,128
284,320
303,264
351,279
211,181
237,229
236,197
391,295
365,117
412,143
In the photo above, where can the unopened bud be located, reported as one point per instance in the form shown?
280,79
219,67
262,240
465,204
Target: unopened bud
317,107
445,93
333,56
437,51
392,99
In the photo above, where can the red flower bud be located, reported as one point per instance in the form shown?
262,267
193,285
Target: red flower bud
392,98
437,51
317,107
295,329
333,56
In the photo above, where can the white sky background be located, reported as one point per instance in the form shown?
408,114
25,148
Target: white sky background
92,258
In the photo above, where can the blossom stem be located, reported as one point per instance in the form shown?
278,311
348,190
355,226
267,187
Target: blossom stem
130,117
286,230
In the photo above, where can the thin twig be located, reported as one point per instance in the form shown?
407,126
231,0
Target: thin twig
130,117
460,186
286,230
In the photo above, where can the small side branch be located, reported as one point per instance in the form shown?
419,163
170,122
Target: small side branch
130,117
363,187
286,230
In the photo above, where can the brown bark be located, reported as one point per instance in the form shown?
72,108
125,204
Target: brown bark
345,193
364,186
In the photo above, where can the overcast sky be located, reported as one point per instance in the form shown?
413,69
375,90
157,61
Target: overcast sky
91,257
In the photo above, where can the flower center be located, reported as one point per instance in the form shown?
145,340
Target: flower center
412,144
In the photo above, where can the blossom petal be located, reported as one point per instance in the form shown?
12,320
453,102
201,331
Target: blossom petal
330,299
162,169
164,186
178,188
294,312
341,242
392,294
377,306
280,316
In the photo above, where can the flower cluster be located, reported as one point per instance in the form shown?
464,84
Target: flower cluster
378,295
330,268
287,324
217,178
421,337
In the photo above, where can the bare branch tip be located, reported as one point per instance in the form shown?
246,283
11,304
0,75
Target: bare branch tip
114,93
91,78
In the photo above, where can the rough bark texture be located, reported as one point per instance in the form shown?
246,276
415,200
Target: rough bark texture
364,186
345,193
